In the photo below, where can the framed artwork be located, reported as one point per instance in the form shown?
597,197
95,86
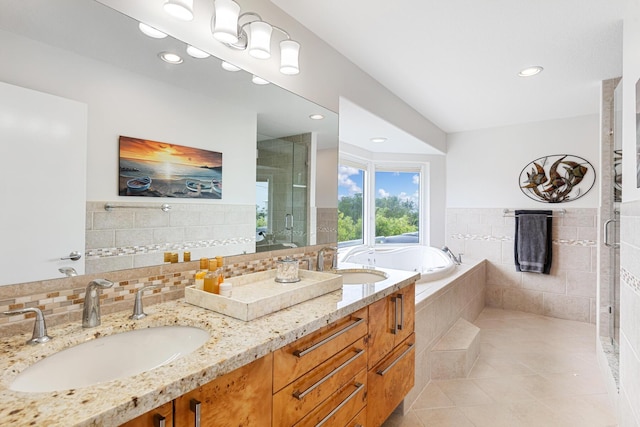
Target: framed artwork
159,169
557,179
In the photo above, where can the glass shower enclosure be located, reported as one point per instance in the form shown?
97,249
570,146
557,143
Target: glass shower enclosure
282,193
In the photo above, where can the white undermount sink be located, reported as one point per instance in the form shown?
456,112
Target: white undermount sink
357,276
109,358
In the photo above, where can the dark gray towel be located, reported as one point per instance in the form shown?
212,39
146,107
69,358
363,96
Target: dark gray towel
533,241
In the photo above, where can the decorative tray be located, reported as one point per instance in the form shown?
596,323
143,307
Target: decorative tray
258,294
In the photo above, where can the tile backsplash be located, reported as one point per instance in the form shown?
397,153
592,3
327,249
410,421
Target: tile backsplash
61,300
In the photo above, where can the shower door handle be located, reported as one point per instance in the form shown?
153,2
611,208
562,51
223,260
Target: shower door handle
288,222
606,234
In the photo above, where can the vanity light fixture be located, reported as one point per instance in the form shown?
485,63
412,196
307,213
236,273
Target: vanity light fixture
378,139
171,58
259,80
253,35
230,67
530,71
150,31
181,9
196,53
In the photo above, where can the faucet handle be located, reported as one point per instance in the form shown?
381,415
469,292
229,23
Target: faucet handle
39,335
138,310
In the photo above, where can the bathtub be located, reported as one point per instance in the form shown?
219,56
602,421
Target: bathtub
430,262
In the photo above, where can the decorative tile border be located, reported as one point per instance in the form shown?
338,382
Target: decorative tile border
560,242
172,247
630,279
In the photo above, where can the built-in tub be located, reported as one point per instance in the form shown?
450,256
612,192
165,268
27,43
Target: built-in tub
432,263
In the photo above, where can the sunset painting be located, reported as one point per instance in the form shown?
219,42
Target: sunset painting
159,169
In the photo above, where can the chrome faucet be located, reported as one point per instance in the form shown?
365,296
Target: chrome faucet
334,260
68,271
39,335
91,310
138,311
457,260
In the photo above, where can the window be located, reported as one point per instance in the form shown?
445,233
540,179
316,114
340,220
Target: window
351,181
397,206
381,202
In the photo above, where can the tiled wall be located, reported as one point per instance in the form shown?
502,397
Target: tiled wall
629,402
61,300
137,234
326,225
463,297
569,292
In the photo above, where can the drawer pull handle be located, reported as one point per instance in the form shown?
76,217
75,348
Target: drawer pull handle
359,386
195,408
300,353
385,370
394,330
401,298
301,394
159,421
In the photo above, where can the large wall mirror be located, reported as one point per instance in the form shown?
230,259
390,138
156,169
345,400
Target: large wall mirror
96,58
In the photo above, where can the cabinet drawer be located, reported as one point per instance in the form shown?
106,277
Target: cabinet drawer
162,416
298,358
295,400
359,420
341,407
390,381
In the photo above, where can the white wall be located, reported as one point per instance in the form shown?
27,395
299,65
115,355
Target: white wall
630,75
124,103
483,166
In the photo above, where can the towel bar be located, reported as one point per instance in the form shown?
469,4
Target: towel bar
560,213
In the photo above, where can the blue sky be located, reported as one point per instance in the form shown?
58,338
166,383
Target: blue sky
405,185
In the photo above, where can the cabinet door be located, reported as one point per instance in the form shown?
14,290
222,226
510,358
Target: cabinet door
239,398
391,321
162,416
390,381
298,358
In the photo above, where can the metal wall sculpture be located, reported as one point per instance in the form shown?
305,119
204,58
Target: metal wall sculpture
557,178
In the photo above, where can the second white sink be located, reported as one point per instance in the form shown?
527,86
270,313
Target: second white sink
360,276
109,358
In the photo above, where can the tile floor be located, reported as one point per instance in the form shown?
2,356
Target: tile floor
532,371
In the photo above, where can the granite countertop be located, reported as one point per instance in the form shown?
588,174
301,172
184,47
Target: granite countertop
233,343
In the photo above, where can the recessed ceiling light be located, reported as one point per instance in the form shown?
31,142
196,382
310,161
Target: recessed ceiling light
171,58
181,9
378,139
259,80
150,31
316,117
229,67
530,71
196,53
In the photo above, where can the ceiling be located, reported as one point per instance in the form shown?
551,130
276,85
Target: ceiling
456,61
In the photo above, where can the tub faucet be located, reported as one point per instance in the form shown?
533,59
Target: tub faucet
456,259
91,310
68,271
334,259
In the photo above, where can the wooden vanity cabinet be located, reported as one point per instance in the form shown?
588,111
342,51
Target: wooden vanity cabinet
162,416
353,372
